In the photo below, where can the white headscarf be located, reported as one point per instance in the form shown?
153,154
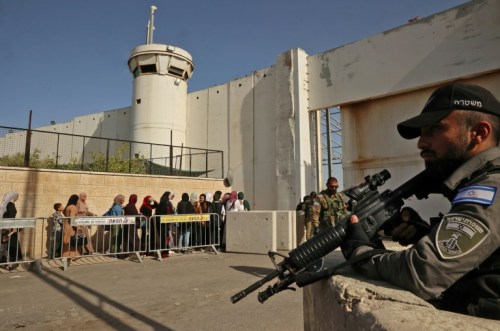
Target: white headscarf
208,197
194,198
7,197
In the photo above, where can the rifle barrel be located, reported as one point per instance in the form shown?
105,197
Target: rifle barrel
240,295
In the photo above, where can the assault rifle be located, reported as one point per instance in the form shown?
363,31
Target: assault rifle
373,210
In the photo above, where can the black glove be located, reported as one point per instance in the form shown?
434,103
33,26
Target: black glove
408,228
356,237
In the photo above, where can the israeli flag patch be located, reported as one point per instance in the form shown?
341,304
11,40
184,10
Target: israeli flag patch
476,194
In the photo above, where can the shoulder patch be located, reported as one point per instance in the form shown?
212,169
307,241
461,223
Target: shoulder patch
476,194
459,234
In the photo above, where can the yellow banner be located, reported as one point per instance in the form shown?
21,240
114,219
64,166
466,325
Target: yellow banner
185,218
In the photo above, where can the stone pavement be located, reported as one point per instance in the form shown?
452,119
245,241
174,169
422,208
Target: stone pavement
183,292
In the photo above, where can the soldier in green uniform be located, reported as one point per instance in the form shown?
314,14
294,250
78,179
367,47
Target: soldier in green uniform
334,207
456,265
313,208
307,208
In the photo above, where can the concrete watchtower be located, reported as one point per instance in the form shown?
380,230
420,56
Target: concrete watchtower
159,98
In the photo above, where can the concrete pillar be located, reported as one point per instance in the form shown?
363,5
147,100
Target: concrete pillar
294,174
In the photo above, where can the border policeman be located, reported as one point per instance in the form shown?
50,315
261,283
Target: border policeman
456,266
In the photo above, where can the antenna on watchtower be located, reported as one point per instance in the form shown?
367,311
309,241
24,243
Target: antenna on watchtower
151,25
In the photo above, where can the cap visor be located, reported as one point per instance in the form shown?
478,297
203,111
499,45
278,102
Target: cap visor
410,128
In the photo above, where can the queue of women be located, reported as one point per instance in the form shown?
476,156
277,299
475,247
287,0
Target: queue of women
69,241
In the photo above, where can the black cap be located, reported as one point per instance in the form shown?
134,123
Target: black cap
446,99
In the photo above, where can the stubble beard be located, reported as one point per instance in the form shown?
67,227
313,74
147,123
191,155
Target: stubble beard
443,166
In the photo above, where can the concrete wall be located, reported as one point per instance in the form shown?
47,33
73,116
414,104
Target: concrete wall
112,124
256,121
371,141
40,189
456,43
350,302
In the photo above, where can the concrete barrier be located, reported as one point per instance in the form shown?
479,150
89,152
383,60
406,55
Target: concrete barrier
251,232
261,231
349,301
285,230
300,227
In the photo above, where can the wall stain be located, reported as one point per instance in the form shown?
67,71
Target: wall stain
325,72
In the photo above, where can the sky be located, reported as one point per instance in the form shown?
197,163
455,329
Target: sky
67,58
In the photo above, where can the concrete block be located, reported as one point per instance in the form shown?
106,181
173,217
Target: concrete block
251,232
284,231
300,230
348,301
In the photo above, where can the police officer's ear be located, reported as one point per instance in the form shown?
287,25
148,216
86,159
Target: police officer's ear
481,132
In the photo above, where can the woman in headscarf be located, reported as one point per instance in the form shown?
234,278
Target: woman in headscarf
8,208
233,204
219,210
212,226
131,242
208,197
148,234
165,207
10,236
225,198
83,210
70,231
184,228
201,232
116,210
194,200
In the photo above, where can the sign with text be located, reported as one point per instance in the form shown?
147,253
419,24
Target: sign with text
113,220
185,218
7,223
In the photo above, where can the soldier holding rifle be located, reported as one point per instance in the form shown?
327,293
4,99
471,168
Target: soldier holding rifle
456,263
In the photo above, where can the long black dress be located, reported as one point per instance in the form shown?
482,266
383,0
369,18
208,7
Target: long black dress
15,253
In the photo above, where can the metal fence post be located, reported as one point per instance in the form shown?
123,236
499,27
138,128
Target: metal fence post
83,155
27,149
107,154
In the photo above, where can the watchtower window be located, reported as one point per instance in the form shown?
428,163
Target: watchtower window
148,68
176,71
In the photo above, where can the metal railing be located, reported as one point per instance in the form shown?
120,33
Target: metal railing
54,150
26,241
18,242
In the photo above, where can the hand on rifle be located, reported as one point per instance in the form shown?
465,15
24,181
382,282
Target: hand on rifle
409,228
356,237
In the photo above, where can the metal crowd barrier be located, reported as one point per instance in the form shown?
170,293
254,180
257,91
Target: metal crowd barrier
28,240
117,236
183,233
18,238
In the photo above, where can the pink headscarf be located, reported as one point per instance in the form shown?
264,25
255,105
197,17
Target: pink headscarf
233,196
